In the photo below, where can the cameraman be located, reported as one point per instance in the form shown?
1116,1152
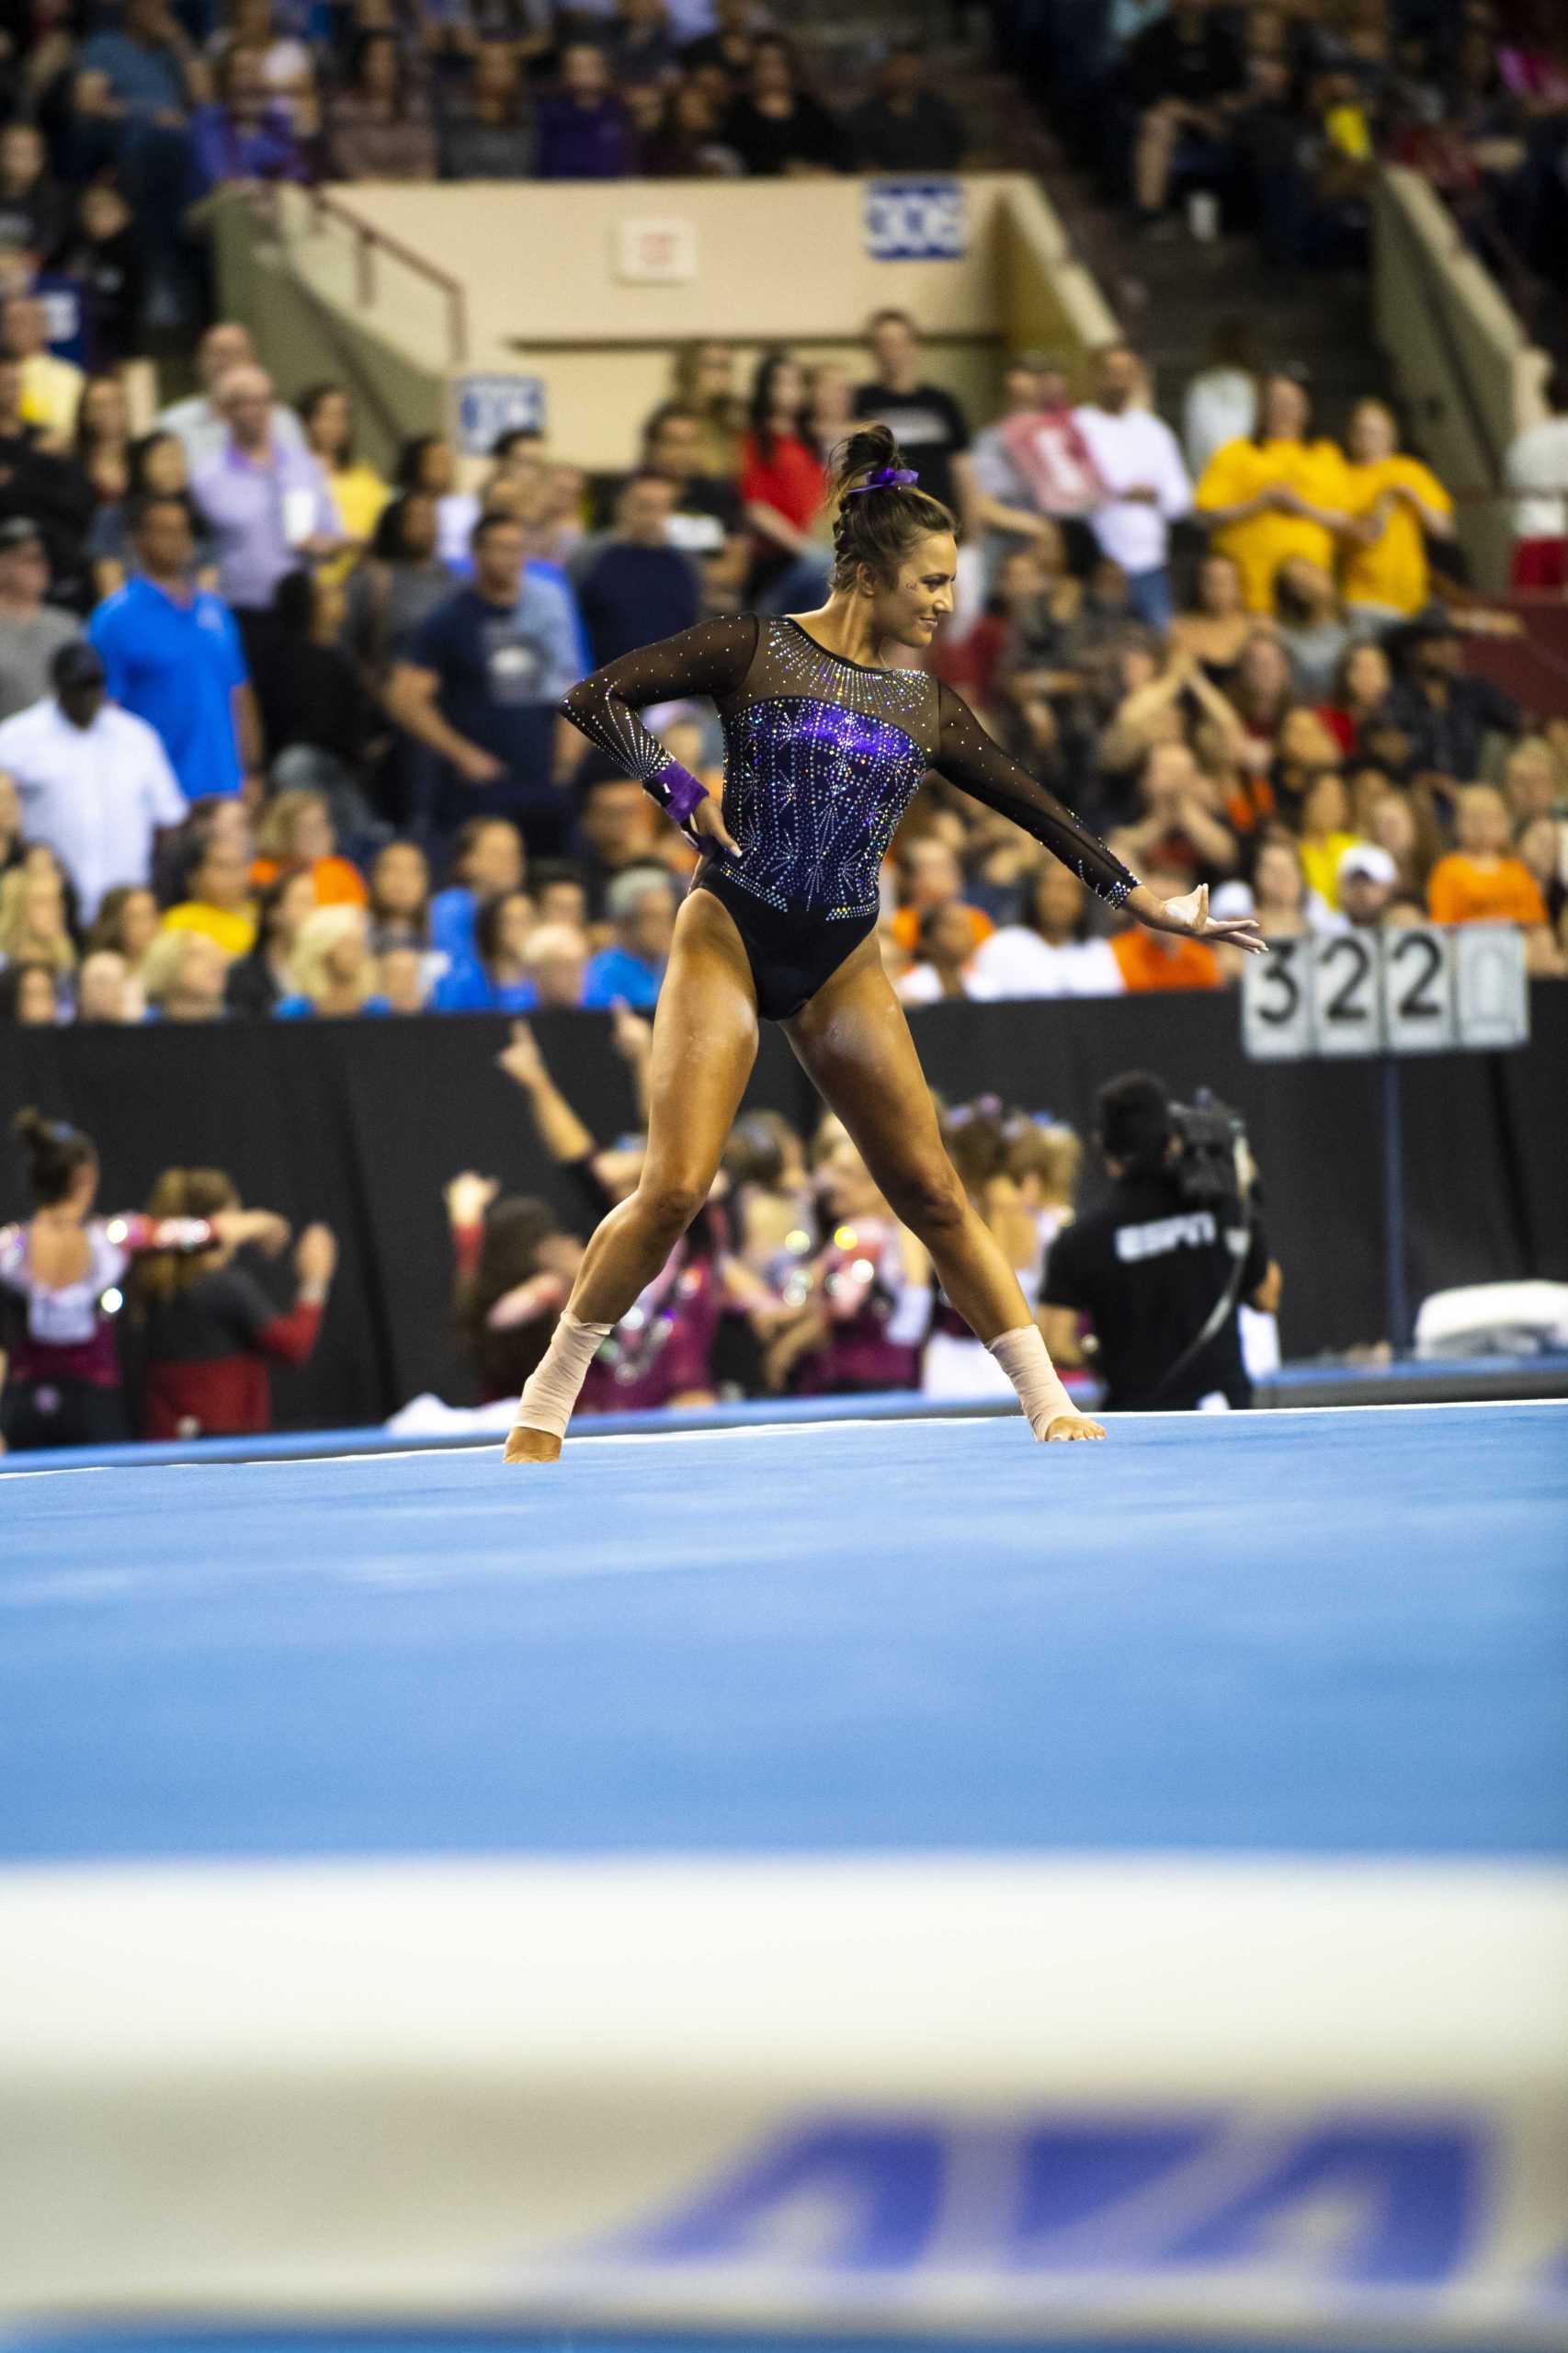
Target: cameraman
1156,1268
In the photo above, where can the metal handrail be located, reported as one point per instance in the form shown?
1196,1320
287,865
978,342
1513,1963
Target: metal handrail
369,240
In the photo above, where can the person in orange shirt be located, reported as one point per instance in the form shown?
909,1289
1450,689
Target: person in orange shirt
932,877
1167,967
296,835
1478,883
1276,494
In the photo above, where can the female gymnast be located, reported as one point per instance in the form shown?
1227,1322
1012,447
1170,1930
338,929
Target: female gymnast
825,747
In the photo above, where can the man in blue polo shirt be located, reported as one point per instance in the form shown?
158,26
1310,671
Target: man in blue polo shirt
172,656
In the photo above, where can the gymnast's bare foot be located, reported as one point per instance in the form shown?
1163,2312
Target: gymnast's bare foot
1070,1426
532,1446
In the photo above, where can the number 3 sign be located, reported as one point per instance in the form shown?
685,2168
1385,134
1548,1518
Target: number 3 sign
1422,990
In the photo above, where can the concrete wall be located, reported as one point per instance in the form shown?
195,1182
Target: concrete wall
543,294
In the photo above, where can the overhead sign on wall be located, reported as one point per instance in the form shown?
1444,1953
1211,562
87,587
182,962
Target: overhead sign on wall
916,220
486,407
656,252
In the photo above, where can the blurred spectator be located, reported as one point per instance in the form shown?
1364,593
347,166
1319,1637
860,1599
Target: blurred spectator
558,894
1139,461
209,1334
268,504
490,136
200,422
428,465
28,997
1538,846
1048,952
686,144
640,50
642,905
218,899
128,921
378,125
488,862
255,981
33,206
102,443
1447,713
1217,628
1033,469
932,876
1220,403
172,654
1159,960
618,827
1177,828
869,1293
830,406
1367,882
906,127
1277,495
497,978
402,978
243,134
1313,627
1395,503
359,492
296,837
943,951
106,991
182,977
515,1271
782,484
584,131
1179,72
1536,470
702,376
33,925
94,780
332,970
400,898
316,711
31,631
633,584
1327,835
706,519
1481,882
100,255
1358,698
399,584
11,847
51,387
481,682
558,964
927,421
156,467
775,127
733,26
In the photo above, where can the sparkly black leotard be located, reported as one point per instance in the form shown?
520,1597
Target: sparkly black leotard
823,756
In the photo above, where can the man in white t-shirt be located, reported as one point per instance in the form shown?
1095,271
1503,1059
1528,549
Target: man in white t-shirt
94,781
1139,460
1537,468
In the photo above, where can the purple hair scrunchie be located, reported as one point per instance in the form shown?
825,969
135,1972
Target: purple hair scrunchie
885,477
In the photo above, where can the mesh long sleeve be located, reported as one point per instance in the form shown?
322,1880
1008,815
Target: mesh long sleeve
966,754
710,659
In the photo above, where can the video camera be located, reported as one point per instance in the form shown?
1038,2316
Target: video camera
1214,1166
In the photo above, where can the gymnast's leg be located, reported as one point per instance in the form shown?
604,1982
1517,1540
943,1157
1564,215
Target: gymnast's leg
853,1039
705,1033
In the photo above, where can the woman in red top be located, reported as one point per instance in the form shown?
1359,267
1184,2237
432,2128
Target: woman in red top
781,477
210,1334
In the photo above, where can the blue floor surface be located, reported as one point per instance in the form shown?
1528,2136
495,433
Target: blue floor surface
1342,1632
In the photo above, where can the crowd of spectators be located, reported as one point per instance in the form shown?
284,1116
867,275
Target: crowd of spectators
279,737
1273,114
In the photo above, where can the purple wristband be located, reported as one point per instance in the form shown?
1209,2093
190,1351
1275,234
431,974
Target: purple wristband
682,791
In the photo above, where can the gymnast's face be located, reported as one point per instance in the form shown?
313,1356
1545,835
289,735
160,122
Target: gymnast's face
914,608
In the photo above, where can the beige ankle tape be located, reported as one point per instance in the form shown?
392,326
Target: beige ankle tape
551,1390
1022,1356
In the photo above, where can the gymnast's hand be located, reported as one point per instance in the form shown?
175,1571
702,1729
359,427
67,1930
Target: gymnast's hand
1070,1426
1191,917
707,829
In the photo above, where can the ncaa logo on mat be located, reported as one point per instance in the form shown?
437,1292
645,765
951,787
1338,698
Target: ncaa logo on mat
916,221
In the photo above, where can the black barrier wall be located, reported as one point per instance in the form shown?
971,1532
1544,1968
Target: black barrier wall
362,1123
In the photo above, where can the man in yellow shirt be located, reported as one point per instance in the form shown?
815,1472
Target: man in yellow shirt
51,387
1277,494
218,903
1395,503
